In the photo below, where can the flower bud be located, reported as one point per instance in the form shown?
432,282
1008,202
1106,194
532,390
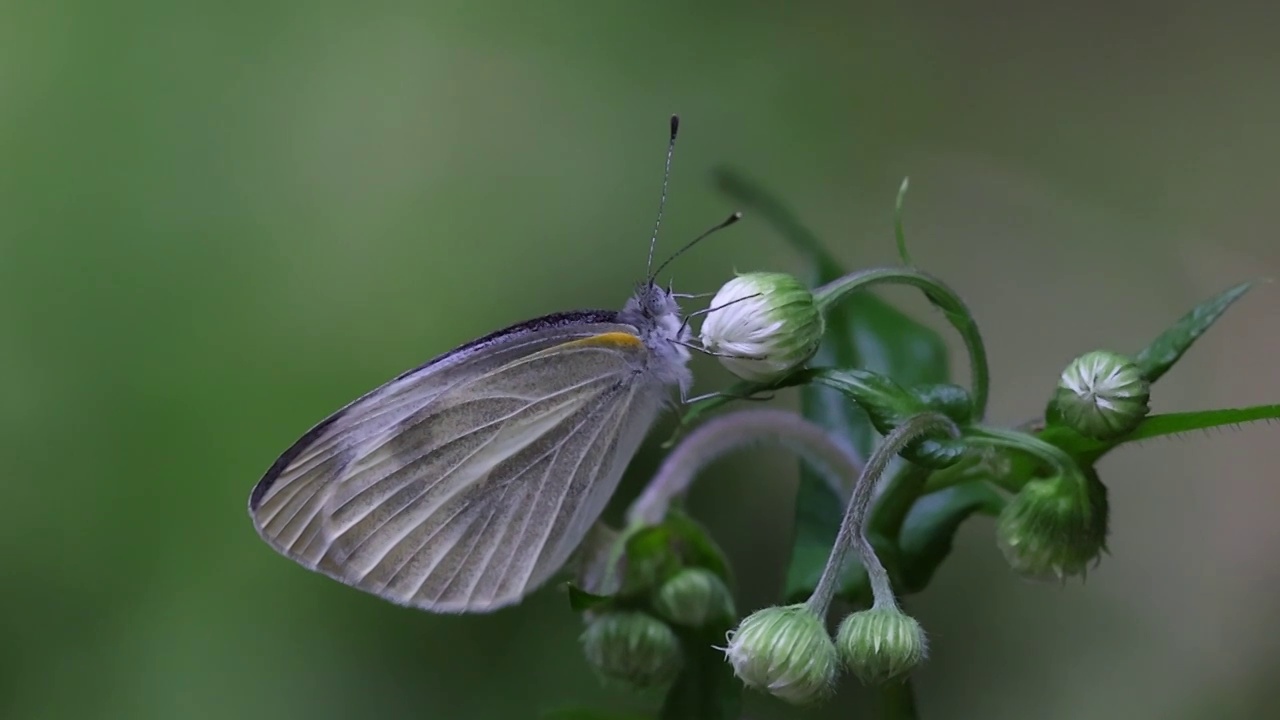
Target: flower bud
881,644
763,325
785,651
632,647
1055,526
1102,395
694,597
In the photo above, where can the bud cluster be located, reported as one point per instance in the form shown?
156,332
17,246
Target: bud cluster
787,651
637,635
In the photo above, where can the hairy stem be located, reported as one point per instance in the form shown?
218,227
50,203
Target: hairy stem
733,431
852,533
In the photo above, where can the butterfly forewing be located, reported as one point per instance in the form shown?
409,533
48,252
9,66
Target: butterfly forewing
466,483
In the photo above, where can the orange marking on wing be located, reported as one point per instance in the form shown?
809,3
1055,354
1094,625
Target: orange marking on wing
611,339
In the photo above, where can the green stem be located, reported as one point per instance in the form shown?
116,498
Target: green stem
1052,455
938,293
898,233
897,700
852,535
962,471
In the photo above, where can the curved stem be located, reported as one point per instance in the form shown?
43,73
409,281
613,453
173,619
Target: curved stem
852,533
897,499
938,293
1051,455
966,469
721,435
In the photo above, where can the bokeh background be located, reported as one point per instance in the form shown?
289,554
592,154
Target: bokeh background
221,221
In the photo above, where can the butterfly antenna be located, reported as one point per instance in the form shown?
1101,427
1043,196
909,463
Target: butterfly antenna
723,224
666,178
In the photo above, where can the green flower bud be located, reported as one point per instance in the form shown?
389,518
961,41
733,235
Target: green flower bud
1055,526
881,644
694,597
1102,395
786,652
763,325
634,648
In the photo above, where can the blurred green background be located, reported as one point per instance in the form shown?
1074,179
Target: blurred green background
221,221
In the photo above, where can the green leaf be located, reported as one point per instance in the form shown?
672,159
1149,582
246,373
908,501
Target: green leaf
886,402
1173,423
862,331
1156,359
1087,451
581,600
695,547
950,400
897,222
706,688
888,405
649,559
931,524
818,514
653,553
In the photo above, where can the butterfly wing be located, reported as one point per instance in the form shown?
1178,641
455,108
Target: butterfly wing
463,485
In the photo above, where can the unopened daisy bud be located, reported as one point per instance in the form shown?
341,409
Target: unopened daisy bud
694,597
881,644
786,652
763,325
1055,526
1102,395
634,648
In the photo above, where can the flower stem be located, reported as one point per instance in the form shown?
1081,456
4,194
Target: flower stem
1052,455
897,499
898,700
852,533
721,435
942,297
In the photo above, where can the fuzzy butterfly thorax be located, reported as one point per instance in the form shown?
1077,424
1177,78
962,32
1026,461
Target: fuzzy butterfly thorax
656,316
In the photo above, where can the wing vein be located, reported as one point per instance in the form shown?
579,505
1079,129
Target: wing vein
405,462
568,482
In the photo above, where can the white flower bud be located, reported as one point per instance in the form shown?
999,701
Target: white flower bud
785,651
763,325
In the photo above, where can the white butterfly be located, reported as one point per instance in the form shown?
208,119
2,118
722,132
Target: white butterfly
466,483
